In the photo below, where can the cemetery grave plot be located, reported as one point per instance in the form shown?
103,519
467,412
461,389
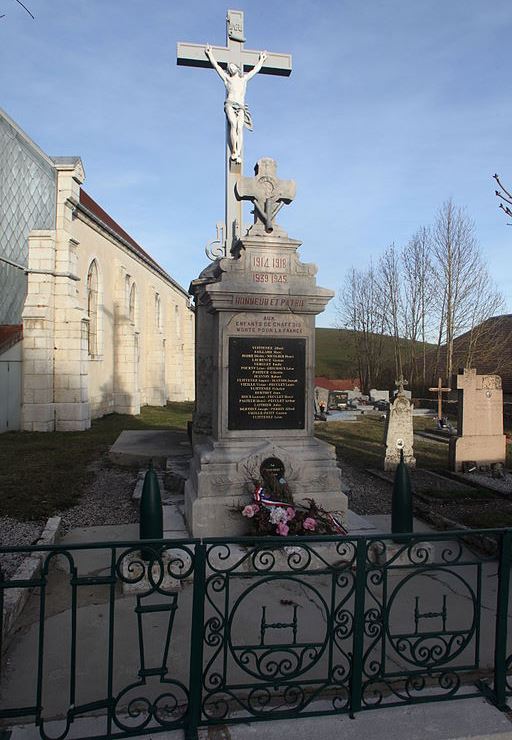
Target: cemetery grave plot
361,445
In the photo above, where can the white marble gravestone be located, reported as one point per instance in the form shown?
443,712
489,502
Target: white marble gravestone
255,356
399,430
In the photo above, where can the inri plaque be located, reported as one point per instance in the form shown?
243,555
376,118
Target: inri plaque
267,381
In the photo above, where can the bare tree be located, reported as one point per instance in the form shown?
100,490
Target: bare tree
485,338
418,299
392,301
437,286
360,310
466,295
505,197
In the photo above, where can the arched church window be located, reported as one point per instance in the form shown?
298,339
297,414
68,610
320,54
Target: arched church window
132,306
177,318
127,282
92,307
158,311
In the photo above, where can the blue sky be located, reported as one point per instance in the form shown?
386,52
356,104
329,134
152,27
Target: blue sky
392,107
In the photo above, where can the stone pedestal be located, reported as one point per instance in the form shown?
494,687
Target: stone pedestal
255,355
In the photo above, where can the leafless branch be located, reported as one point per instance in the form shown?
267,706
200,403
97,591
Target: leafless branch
506,198
24,7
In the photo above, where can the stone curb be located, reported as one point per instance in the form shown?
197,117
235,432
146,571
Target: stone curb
16,598
137,491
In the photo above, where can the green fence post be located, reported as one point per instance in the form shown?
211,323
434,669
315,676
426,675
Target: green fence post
401,505
151,518
500,645
356,673
196,644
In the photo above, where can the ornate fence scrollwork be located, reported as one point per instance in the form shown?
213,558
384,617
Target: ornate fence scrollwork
226,631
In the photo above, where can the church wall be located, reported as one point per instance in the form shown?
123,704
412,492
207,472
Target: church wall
142,359
134,348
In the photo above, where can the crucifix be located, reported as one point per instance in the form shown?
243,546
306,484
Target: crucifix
235,65
440,390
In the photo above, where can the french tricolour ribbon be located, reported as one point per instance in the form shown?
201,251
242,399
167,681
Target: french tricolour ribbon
261,498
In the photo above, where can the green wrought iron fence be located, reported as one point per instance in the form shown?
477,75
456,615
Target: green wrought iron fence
222,631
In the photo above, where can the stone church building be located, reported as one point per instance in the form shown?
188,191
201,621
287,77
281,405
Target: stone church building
90,324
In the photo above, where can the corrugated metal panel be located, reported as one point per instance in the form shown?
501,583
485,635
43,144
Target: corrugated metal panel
27,201
10,396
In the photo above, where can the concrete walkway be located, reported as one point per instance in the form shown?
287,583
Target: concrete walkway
465,718
444,720
470,719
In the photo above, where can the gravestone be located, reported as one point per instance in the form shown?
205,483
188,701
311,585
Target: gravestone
399,433
379,395
480,437
255,362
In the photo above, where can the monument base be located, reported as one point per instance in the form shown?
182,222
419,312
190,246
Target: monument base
220,480
484,450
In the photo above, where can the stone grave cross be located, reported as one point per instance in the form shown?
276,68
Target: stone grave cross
401,383
236,60
266,191
440,390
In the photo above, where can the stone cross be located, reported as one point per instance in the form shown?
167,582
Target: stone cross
266,192
400,383
440,390
194,55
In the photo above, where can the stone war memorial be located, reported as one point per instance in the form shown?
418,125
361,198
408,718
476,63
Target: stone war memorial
399,433
480,439
255,329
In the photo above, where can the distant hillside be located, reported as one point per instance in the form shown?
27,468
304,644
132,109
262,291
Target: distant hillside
335,354
491,350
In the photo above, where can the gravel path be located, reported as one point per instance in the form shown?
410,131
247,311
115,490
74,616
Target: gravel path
13,532
108,500
368,495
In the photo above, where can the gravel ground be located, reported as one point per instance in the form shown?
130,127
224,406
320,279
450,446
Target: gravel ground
108,500
503,485
12,533
368,495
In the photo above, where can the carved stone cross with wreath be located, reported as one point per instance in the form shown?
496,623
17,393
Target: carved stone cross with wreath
266,191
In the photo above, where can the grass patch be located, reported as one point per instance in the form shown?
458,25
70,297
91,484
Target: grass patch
336,354
488,519
361,443
45,472
472,494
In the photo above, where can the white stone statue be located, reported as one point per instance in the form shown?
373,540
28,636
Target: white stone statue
236,111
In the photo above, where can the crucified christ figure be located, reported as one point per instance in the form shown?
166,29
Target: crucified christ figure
237,112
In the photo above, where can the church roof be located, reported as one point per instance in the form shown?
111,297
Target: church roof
93,209
10,334
341,384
